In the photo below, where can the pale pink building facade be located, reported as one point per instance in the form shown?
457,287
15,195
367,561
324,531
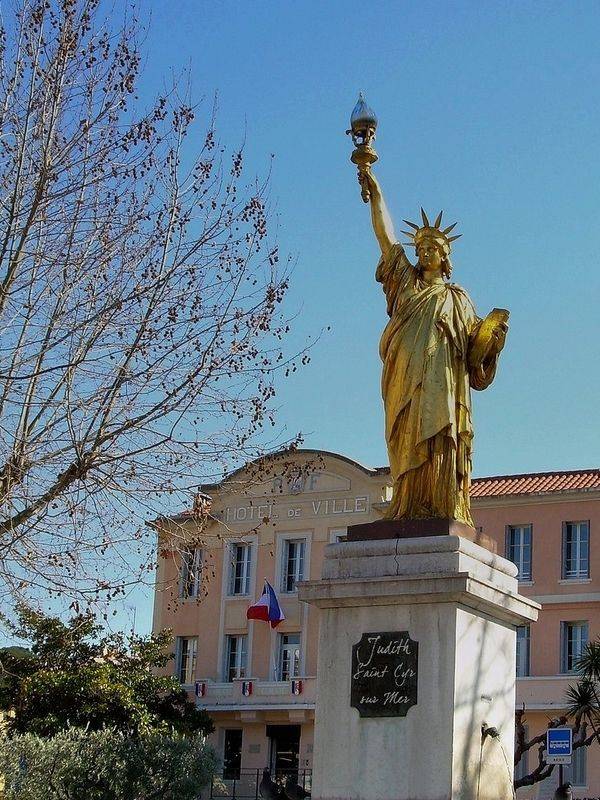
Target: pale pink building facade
274,521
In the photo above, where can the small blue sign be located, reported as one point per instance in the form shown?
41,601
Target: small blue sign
559,742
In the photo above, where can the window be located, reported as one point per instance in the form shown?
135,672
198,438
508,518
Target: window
293,564
185,658
235,666
518,549
239,574
232,754
576,550
574,640
189,577
522,651
575,772
522,768
289,656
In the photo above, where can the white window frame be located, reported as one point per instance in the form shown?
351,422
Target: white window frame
240,666
282,559
280,553
581,545
516,549
190,573
186,654
580,640
246,571
523,666
291,577
294,661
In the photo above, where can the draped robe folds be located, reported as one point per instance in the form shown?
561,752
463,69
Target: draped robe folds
426,391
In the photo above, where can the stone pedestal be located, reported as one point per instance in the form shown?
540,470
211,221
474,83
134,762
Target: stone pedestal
460,604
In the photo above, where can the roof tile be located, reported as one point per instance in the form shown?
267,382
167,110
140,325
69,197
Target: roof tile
536,483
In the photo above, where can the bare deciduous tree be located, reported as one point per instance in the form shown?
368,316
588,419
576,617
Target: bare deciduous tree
140,302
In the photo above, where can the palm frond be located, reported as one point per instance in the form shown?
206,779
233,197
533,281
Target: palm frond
582,701
589,661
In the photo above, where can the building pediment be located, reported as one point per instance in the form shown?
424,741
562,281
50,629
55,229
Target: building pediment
303,484
296,472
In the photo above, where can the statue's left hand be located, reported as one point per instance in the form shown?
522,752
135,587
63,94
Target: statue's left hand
499,337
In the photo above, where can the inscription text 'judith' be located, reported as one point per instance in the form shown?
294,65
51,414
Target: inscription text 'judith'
384,674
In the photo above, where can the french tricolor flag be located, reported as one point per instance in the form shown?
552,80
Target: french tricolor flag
267,608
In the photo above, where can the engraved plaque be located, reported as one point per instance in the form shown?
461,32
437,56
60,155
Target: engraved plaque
384,674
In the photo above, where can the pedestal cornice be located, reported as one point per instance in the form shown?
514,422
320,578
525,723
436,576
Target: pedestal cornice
461,588
444,569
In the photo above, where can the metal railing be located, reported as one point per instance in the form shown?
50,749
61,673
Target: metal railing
245,784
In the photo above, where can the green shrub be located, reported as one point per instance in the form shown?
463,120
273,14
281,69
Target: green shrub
105,765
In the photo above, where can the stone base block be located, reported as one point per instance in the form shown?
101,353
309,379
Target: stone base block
417,528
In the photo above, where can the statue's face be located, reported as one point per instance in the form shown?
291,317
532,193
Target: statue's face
430,257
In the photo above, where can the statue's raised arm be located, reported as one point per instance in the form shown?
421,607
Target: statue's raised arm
363,124
380,216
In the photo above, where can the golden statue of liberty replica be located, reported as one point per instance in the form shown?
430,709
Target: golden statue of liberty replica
434,350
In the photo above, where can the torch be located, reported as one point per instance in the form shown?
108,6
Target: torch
363,124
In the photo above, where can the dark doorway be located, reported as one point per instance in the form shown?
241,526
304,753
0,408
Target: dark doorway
284,749
232,753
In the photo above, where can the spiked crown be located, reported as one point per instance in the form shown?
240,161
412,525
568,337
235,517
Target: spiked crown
431,232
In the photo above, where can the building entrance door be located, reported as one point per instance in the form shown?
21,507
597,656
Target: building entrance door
284,749
232,754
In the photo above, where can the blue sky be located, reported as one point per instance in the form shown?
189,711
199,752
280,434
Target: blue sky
487,110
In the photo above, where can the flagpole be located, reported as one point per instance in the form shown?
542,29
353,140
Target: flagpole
273,660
